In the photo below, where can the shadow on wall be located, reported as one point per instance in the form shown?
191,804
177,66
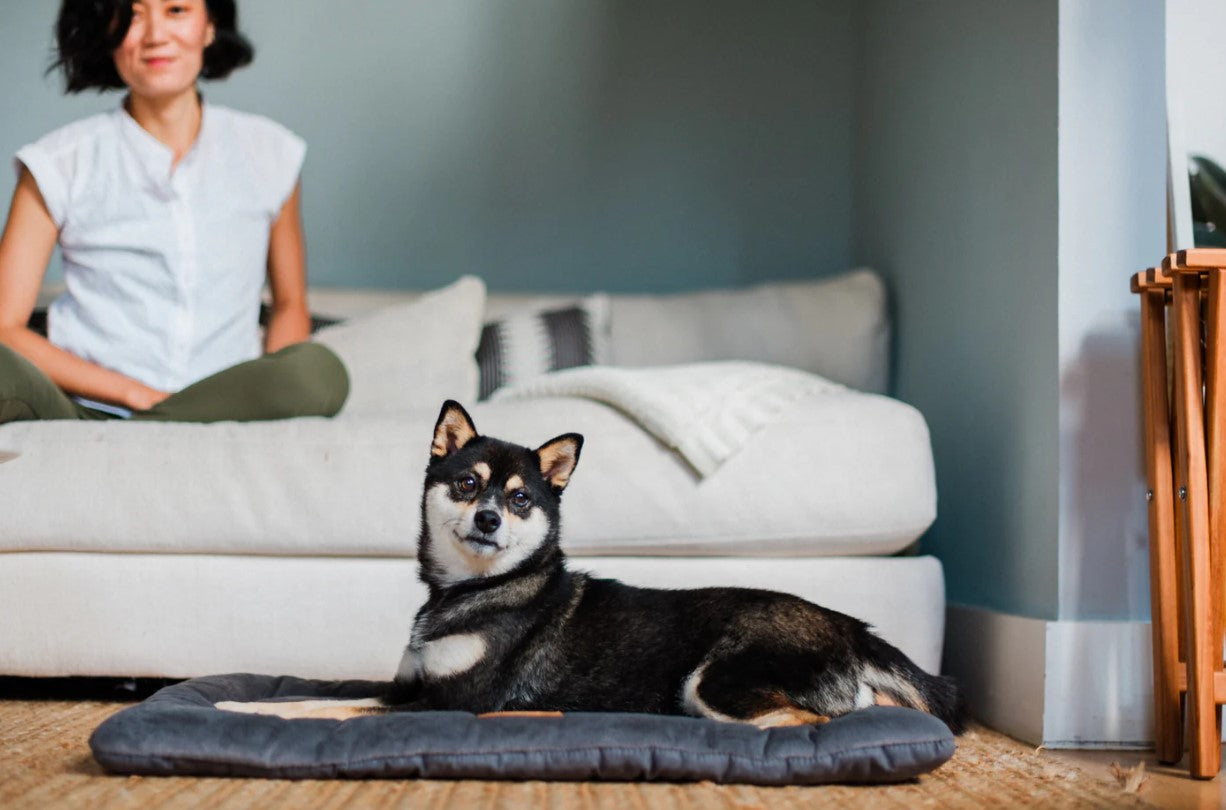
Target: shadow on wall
1105,567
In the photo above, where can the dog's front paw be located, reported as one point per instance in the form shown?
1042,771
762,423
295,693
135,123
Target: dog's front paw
244,708
307,709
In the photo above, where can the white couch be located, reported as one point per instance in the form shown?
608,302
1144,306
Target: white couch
176,550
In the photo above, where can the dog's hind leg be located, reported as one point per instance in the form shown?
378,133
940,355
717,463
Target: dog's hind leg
308,709
719,691
790,715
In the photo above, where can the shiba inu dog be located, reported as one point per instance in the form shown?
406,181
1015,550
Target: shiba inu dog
508,627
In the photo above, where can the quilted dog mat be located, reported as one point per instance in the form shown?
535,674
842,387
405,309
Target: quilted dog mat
177,731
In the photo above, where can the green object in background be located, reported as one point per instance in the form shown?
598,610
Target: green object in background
1206,235
1208,185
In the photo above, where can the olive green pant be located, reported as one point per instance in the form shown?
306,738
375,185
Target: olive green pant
305,379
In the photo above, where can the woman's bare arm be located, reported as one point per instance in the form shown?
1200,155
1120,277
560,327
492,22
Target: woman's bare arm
290,321
25,249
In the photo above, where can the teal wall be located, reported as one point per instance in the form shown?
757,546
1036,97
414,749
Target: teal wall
543,144
956,202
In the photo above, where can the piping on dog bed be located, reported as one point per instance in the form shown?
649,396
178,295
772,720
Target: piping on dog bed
179,731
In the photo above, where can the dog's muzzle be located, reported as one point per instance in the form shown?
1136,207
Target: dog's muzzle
487,521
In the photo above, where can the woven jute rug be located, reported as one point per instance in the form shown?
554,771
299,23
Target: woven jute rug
45,763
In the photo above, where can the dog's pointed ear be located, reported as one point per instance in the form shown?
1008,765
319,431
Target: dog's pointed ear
453,430
558,458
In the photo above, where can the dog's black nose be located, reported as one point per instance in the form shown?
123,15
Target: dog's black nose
487,520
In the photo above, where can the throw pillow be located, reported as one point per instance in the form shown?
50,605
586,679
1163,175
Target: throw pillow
519,347
411,356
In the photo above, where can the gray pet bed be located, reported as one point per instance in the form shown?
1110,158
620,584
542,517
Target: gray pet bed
177,731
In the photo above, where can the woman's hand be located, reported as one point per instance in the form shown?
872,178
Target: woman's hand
141,397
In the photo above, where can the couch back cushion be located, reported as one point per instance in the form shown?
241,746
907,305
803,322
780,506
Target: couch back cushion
834,327
837,326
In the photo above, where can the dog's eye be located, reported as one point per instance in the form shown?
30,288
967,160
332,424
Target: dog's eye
520,499
467,484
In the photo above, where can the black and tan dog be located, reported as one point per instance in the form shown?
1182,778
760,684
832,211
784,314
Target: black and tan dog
508,627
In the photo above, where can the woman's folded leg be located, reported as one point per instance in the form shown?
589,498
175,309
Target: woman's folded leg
27,393
305,379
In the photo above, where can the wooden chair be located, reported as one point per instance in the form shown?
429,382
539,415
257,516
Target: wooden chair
1185,457
1154,287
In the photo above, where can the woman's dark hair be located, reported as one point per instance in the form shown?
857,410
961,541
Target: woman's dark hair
88,32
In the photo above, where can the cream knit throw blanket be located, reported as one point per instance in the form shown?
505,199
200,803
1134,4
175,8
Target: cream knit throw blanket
706,412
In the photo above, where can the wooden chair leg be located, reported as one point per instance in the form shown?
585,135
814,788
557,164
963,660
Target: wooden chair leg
1191,478
1215,460
1168,712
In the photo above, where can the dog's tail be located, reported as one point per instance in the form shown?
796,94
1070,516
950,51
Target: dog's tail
891,673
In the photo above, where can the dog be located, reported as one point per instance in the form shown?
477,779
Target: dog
509,628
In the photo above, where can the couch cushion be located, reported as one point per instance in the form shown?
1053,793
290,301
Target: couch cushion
835,474
242,613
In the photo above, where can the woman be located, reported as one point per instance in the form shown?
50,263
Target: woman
170,214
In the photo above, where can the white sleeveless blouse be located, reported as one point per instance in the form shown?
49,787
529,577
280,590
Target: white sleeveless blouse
163,268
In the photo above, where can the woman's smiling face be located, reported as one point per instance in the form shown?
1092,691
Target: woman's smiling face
163,52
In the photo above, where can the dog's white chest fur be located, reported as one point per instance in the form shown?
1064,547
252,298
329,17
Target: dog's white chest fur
442,657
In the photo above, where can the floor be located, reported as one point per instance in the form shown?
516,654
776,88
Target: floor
45,763
1166,786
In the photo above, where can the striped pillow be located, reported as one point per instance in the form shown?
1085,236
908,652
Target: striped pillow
520,347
